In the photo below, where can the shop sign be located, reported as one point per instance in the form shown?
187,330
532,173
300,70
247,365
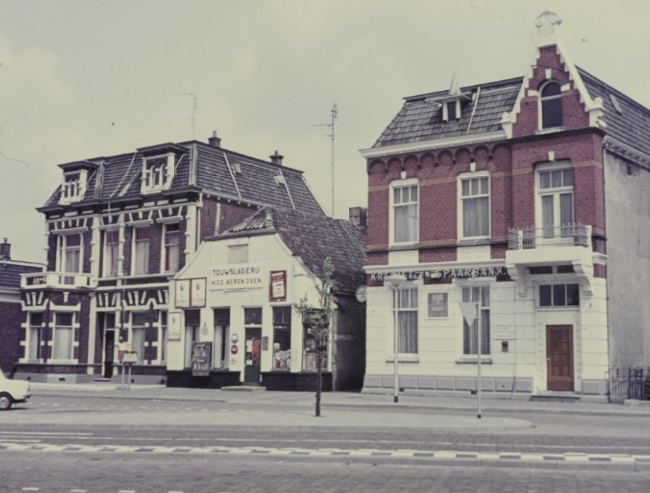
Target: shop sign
239,276
278,285
452,272
234,349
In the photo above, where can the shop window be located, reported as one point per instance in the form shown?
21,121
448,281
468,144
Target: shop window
141,238
481,296
35,336
69,252
171,247
63,338
475,207
551,105
111,252
405,306
313,340
282,338
192,324
405,216
252,316
221,337
559,295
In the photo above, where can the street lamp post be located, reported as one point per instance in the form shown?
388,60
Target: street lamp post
395,281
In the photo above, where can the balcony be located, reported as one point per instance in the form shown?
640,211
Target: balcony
58,280
568,244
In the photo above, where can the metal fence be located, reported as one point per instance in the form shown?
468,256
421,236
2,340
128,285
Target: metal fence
628,383
549,236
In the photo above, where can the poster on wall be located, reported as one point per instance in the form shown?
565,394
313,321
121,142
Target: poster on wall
278,285
182,293
174,326
201,359
197,295
437,306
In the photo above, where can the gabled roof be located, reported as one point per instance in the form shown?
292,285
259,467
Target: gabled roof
420,118
313,237
11,270
205,168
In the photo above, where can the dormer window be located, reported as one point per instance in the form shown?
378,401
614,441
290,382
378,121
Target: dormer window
73,187
550,101
157,173
451,111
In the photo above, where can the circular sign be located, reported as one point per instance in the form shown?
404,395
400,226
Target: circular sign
361,294
234,338
234,349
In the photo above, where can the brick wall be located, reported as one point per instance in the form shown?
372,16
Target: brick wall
10,334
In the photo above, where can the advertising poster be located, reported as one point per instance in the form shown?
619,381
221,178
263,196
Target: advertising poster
278,285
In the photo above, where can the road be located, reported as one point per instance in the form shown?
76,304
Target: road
93,444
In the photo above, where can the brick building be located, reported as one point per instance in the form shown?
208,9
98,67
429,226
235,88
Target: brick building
11,314
509,223
118,229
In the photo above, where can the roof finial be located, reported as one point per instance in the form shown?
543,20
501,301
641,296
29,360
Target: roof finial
547,24
454,89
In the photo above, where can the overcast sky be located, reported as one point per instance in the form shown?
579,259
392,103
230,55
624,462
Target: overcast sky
84,78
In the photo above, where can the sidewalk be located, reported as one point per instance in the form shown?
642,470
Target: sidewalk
333,400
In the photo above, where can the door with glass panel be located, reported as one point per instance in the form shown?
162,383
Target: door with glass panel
556,198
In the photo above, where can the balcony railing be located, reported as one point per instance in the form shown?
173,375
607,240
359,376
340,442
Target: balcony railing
66,280
565,235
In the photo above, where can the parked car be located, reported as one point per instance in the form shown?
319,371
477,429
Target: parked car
12,391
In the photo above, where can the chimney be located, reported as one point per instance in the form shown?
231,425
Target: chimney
214,140
358,216
5,250
276,158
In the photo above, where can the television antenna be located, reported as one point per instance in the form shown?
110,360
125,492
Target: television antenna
332,136
194,106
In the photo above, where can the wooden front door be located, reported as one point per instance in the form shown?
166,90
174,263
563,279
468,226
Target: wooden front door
109,352
253,356
559,357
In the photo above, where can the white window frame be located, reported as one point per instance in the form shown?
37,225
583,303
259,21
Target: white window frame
141,328
165,253
134,262
402,300
400,184
157,176
105,249
461,206
556,192
552,286
541,100
62,249
69,351
73,187
474,328
34,351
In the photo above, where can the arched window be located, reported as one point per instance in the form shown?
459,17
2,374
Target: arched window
551,105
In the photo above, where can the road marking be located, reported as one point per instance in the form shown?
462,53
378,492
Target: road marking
31,488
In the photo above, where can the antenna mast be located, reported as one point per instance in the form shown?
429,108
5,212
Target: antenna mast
332,136
194,106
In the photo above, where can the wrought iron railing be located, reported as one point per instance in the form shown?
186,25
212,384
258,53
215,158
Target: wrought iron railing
630,383
58,280
549,236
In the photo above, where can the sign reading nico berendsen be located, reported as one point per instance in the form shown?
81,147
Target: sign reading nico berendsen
240,276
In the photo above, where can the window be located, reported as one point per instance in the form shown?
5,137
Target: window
475,207
73,187
70,253
552,295
556,198
221,337
405,214
63,336
551,105
312,340
35,336
192,323
481,296
282,338
157,173
111,248
171,247
138,335
405,310
163,336
141,250
238,254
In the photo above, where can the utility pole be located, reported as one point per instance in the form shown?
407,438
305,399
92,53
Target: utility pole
332,136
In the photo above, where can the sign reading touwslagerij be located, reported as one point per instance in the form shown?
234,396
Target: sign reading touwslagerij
240,276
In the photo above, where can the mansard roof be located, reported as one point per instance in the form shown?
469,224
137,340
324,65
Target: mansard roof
203,168
420,118
313,237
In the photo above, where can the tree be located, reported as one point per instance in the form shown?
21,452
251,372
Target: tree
318,320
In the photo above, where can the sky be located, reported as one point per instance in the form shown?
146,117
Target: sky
84,78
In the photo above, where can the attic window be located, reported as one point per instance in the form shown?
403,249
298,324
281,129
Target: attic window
451,110
157,173
73,187
616,104
236,168
279,179
551,105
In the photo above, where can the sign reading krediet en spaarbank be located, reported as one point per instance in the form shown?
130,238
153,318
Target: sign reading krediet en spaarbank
236,276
